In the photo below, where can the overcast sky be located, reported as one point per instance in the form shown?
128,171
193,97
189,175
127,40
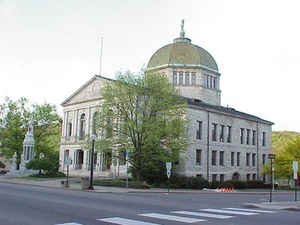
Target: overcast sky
49,48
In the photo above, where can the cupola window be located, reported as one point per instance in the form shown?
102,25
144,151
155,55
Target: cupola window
187,78
180,78
174,77
193,78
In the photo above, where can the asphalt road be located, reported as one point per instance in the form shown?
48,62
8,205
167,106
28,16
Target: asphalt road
29,205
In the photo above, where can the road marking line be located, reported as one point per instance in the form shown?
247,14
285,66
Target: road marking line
123,221
251,210
228,211
170,217
69,224
203,214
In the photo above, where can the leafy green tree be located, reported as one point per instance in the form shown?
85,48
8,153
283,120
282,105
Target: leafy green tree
48,164
145,115
286,153
14,119
14,116
47,124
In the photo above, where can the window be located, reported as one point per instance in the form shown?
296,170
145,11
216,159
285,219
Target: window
69,129
207,81
193,78
214,177
221,178
122,158
199,130
174,77
242,135
248,137
214,158
264,139
222,133
254,137
214,82
229,134
264,159
198,156
238,158
247,159
253,159
82,126
232,158
187,78
221,159
180,78
210,81
248,176
214,132
254,176
95,122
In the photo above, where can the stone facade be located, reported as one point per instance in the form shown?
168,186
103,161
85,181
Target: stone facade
79,110
223,143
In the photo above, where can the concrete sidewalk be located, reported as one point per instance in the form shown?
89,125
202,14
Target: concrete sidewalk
75,184
287,205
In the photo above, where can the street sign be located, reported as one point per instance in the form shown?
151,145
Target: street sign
168,174
295,169
271,156
169,167
68,161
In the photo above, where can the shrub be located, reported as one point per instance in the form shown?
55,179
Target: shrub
2,165
52,175
237,184
255,184
122,183
214,184
180,181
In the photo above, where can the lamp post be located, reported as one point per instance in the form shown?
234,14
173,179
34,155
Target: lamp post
91,187
271,157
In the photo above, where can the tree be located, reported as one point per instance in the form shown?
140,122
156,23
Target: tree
14,119
145,115
47,128
49,164
286,153
14,116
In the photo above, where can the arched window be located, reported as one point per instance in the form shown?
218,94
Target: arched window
82,126
95,122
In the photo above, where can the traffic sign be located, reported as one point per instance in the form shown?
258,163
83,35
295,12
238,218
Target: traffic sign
271,156
68,161
168,174
168,165
295,170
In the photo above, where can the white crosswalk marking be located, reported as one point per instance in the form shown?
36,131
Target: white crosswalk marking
69,224
210,215
228,212
173,218
251,210
123,221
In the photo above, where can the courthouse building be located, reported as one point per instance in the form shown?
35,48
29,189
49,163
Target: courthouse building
223,143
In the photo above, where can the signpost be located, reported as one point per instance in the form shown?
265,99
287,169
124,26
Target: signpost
295,175
68,162
271,157
126,161
169,167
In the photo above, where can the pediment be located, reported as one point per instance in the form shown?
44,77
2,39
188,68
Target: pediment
89,91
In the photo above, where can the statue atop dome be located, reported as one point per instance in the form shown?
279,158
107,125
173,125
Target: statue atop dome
182,33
